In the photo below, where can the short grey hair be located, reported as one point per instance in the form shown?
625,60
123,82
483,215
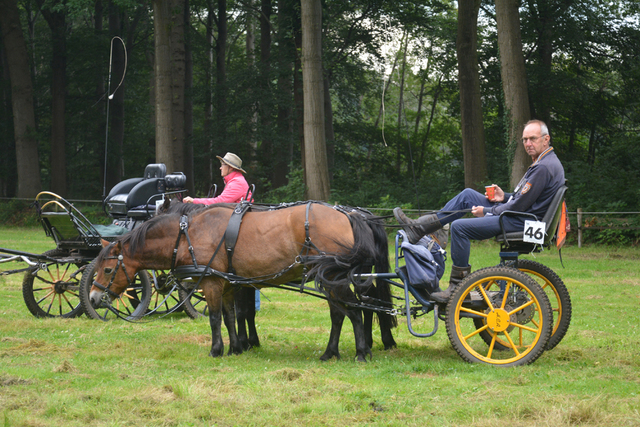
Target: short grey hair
544,130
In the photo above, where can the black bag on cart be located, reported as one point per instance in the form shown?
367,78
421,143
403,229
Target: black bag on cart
425,262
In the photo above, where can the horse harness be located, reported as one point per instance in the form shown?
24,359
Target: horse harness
230,238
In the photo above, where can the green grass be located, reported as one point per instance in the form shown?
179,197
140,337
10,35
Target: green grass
80,372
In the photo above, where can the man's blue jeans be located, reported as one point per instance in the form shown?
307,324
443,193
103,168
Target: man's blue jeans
463,230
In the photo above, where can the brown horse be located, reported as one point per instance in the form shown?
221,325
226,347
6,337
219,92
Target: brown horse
273,247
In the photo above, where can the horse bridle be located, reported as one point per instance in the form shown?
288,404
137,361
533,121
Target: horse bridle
107,289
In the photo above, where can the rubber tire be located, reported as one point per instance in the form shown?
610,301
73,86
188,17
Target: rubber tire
68,302
139,297
164,293
195,306
462,341
558,297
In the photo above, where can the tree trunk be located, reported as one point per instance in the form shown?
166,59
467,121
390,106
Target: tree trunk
252,120
24,123
58,26
399,145
265,104
286,55
162,27
473,143
188,104
208,99
436,94
298,91
316,170
221,74
177,84
514,83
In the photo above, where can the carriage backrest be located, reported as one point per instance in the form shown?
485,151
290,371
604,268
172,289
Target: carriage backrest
155,170
132,193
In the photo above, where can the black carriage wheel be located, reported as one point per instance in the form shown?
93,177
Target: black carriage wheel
193,302
516,313
558,295
559,299
131,304
53,292
164,293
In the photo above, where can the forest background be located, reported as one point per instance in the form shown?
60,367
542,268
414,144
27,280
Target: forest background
417,97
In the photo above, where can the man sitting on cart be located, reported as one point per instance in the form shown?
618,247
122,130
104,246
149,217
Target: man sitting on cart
533,194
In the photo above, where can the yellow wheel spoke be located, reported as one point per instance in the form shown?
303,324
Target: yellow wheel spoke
526,328
493,342
512,345
66,270
522,307
520,338
504,297
477,331
468,310
48,293
485,296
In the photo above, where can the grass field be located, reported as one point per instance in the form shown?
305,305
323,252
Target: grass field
80,372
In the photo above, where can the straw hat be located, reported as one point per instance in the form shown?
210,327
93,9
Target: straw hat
233,161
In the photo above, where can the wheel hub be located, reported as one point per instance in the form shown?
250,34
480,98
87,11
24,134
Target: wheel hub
60,286
498,320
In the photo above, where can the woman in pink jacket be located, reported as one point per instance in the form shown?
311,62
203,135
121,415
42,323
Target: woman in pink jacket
235,185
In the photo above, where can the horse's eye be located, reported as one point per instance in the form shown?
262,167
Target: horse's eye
108,270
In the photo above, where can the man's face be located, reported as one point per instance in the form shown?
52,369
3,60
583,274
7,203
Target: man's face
534,142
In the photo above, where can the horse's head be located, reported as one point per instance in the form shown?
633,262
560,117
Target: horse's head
113,272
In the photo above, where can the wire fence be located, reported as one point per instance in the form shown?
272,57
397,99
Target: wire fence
584,220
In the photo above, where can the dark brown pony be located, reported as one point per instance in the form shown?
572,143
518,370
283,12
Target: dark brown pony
273,247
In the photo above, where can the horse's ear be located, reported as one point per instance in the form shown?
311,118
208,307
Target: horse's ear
105,243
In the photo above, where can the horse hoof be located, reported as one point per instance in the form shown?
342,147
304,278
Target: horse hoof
328,356
216,353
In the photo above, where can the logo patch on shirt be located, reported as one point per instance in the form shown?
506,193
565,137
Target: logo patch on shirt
526,188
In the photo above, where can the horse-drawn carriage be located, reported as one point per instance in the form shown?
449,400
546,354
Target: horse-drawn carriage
498,315
52,282
505,315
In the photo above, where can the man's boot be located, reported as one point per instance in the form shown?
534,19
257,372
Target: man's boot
457,274
418,228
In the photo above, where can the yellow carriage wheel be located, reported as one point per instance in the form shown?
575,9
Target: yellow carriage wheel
558,295
54,291
515,313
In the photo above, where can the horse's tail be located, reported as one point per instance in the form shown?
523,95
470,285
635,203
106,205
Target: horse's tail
338,269
381,264
370,249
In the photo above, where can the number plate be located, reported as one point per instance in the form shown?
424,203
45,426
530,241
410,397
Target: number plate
534,231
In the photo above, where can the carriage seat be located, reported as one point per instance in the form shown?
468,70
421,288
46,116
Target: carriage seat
513,242
136,197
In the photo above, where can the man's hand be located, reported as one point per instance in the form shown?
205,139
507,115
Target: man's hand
187,200
477,211
499,196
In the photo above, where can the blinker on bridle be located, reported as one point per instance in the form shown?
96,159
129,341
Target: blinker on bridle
107,289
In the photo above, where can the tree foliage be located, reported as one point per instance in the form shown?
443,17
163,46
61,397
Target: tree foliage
390,81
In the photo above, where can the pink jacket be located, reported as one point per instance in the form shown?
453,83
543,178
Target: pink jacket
235,189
